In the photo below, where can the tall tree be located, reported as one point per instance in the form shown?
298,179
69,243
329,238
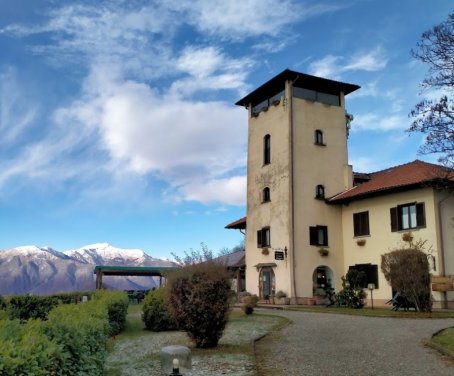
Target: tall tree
435,117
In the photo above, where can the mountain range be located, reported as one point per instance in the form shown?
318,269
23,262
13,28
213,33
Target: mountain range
44,270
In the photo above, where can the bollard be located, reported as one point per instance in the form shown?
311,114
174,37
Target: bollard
176,359
176,368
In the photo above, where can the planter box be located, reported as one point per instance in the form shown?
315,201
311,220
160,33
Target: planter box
283,301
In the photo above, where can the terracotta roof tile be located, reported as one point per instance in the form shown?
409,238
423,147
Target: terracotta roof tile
239,224
406,175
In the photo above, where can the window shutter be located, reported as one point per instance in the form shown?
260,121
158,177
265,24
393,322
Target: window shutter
366,229
325,230
259,239
313,236
394,219
356,229
420,215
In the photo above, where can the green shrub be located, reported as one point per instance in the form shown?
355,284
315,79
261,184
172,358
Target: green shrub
25,350
81,331
198,298
117,303
72,297
25,307
72,341
352,294
248,309
155,313
2,302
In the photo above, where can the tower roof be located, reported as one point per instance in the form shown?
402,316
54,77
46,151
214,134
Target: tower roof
277,83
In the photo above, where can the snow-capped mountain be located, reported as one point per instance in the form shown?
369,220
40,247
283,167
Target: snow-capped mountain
44,270
106,254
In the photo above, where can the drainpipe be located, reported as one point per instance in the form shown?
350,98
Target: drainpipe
442,251
291,189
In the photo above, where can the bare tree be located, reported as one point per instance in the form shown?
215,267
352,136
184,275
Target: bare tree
407,271
435,118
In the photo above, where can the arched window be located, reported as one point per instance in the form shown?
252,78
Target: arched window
266,195
267,149
320,191
318,137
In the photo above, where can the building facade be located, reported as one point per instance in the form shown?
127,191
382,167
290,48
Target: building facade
309,218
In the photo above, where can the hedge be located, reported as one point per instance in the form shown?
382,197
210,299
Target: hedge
71,342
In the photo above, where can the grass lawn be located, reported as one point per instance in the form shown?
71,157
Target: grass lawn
136,351
445,340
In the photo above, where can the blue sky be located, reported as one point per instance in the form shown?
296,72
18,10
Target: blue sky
117,118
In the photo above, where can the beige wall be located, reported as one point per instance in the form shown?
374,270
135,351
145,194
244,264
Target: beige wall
313,165
382,240
275,213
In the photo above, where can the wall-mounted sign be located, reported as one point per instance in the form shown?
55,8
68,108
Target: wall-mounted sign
278,255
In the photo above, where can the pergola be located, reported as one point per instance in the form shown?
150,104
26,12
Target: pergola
148,271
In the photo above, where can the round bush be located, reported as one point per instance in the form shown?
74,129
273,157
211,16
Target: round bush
199,301
248,309
155,314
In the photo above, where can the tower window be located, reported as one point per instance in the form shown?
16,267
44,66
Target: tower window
266,195
267,149
318,137
318,235
263,237
320,192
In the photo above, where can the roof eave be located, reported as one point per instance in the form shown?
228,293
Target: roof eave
276,83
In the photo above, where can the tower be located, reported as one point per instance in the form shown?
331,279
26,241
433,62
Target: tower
297,157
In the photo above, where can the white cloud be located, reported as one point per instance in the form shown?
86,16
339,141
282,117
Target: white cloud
137,115
229,190
17,113
333,66
183,142
379,122
370,61
239,19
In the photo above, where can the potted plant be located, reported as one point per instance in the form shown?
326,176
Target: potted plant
281,298
361,242
323,252
407,237
265,251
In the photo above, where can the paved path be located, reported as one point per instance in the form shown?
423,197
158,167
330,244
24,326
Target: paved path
330,344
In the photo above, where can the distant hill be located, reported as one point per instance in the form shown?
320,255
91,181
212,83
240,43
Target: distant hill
43,270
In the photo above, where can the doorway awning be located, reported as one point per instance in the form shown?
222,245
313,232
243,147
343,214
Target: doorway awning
265,265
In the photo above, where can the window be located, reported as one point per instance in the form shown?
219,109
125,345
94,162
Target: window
320,191
263,237
318,235
266,195
361,224
316,96
267,149
370,274
407,216
318,137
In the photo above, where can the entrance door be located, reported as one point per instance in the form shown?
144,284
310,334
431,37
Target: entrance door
266,284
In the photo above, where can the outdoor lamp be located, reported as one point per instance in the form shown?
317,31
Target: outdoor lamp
371,287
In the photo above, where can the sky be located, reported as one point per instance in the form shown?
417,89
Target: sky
118,122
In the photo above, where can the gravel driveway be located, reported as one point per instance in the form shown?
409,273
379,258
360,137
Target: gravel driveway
330,344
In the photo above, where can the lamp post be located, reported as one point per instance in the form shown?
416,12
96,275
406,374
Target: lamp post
371,287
